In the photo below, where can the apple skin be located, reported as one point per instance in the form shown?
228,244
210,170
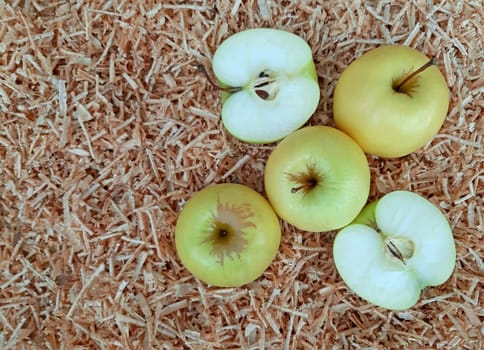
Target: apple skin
384,122
345,179
368,268
246,115
236,206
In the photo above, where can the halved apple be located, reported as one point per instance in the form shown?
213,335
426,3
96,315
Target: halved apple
270,83
397,246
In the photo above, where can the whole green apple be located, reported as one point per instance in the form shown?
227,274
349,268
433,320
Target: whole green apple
397,246
317,179
392,101
227,235
270,83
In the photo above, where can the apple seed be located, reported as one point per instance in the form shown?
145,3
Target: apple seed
400,248
265,86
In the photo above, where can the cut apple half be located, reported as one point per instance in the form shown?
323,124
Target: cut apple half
270,84
397,246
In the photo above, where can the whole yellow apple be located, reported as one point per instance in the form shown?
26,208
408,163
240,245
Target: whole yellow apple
317,179
227,235
392,101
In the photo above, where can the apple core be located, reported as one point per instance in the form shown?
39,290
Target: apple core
265,86
399,248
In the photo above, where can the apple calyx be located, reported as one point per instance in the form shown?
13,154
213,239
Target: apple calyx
409,83
400,248
307,179
226,235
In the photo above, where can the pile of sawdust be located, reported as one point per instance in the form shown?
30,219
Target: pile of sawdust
107,128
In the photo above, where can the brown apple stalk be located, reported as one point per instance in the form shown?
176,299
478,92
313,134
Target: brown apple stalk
413,75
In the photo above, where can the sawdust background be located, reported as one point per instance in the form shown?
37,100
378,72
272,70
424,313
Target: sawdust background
107,128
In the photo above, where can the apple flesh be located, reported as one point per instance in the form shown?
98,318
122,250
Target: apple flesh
227,235
397,246
271,84
387,109
317,179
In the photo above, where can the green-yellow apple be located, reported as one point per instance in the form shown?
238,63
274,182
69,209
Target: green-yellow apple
392,101
317,179
397,246
227,235
271,81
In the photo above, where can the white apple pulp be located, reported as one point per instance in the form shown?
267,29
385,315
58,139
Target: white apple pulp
278,88
366,260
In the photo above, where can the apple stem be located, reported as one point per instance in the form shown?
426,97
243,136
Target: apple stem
229,89
414,74
297,189
307,179
306,187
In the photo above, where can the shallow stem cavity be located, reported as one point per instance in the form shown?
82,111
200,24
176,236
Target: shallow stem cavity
226,235
409,82
306,180
400,248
